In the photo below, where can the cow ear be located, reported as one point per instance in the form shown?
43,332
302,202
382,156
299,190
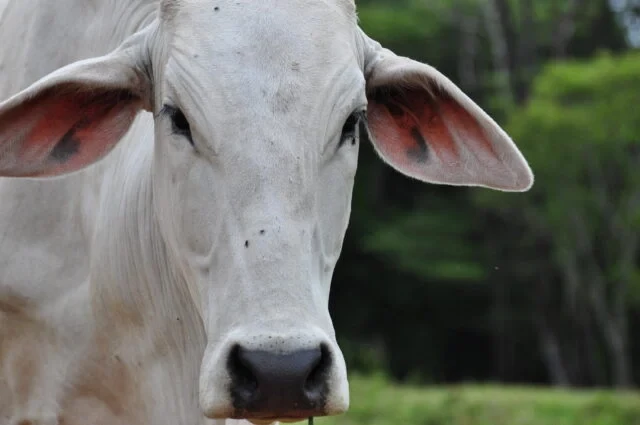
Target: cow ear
74,116
427,128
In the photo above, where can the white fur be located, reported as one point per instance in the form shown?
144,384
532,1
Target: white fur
124,285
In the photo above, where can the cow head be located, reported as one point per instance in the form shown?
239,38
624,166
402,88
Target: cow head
259,110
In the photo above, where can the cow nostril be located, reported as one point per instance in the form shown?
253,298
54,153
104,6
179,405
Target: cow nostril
314,385
245,382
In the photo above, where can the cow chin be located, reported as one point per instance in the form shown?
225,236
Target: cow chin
276,376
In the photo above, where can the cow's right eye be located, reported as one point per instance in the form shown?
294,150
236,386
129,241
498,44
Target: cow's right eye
351,128
179,123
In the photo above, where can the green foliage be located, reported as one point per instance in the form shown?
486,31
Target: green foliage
582,103
581,133
376,402
414,28
448,283
408,240
385,20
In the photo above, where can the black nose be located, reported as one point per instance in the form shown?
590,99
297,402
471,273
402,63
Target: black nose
270,386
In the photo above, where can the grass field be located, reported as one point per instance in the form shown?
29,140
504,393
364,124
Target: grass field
374,401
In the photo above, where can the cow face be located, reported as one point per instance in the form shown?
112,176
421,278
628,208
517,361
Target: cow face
259,110
257,146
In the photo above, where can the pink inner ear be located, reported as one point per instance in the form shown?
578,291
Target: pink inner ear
411,128
70,130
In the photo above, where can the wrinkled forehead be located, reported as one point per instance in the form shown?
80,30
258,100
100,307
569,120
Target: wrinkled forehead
308,31
267,65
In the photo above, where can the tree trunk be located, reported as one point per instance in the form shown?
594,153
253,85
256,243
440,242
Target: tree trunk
526,52
565,28
552,353
499,48
467,54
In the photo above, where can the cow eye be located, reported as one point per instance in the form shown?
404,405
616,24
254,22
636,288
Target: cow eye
179,123
351,128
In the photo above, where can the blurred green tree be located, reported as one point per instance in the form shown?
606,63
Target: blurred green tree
435,283
581,134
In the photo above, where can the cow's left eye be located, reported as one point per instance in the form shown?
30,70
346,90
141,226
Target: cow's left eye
351,128
179,123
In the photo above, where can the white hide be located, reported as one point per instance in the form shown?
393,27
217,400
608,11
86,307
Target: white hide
124,285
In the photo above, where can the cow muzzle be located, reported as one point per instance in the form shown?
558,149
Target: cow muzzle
268,379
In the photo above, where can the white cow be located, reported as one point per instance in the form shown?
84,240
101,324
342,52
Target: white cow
184,278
